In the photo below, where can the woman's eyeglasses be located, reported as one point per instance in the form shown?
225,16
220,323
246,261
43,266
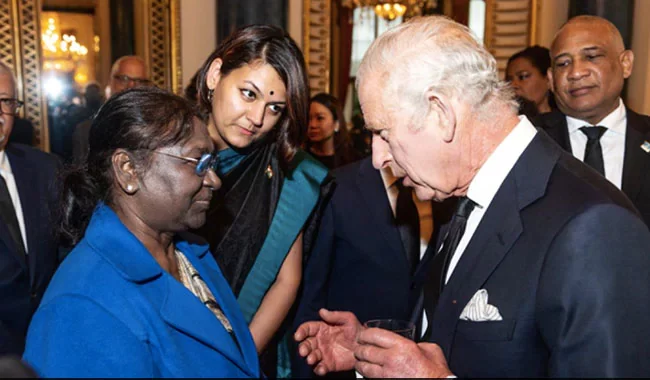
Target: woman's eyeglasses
207,161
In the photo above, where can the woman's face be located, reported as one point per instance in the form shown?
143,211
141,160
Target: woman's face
171,195
527,81
321,123
246,104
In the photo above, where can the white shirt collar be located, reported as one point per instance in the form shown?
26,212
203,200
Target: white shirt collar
494,171
387,177
614,122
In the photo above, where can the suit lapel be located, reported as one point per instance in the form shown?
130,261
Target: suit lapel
498,230
635,164
371,187
28,193
554,124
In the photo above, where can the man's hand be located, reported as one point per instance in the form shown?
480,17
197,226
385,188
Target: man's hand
329,344
381,353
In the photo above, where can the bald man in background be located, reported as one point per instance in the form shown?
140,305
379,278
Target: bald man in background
127,72
588,70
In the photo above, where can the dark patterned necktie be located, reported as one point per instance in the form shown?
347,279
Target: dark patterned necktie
593,150
440,264
408,224
8,215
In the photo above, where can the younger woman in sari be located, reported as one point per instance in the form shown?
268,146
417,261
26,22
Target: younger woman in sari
254,88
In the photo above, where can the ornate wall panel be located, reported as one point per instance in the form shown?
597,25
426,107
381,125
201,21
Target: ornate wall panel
163,43
509,27
317,34
20,50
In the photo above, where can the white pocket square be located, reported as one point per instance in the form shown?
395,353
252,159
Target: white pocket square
479,310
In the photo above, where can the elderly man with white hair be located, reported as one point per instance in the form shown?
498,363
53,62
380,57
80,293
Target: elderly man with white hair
545,266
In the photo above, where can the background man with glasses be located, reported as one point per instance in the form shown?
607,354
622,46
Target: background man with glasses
28,247
127,72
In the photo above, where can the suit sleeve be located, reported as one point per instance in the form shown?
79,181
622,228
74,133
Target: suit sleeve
316,281
592,304
73,336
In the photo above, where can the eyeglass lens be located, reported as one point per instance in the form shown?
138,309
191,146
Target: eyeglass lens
10,106
207,161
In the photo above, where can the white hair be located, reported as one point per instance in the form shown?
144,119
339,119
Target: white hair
435,53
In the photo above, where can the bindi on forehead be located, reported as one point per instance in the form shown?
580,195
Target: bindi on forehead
271,92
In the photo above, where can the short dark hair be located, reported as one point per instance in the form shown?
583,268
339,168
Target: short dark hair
137,120
539,57
273,46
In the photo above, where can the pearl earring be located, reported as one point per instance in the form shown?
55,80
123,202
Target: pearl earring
129,188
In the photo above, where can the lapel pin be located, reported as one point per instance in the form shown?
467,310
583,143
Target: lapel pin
646,146
269,171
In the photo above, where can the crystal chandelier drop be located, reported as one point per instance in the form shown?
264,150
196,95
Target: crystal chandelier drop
390,10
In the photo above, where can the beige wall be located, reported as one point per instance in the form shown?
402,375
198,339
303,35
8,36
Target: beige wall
198,34
551,14
638,92
295,21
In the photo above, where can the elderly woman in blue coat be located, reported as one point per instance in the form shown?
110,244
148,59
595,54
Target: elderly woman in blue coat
137,297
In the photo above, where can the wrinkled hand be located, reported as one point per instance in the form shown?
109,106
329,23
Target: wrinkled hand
329,344
381,353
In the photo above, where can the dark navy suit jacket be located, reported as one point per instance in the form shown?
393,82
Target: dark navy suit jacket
565,258
23,280
358,263
636,163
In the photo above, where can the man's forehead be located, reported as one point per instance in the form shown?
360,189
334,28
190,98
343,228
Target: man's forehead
7,86
131,66
580,36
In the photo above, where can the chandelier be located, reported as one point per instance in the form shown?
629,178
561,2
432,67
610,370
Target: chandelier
390,10
62,52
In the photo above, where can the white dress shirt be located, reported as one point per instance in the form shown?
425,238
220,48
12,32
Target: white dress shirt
8,175
424,207
485,185
612,141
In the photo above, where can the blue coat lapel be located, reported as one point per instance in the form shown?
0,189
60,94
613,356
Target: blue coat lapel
185,312
179,308
499,229
207,266
374,194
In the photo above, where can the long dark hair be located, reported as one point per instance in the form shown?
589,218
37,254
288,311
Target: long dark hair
342,145
138,120
273,46
540,58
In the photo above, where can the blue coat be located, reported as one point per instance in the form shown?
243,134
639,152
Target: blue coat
112,311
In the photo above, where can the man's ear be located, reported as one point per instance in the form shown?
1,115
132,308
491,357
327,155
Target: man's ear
627,62
214,73
444,116
125,172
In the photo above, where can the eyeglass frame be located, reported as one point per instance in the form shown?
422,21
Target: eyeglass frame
19,104
125,79
205,158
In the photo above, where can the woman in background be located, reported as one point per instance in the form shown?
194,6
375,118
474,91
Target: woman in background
261,222
327,134
136,297
526,71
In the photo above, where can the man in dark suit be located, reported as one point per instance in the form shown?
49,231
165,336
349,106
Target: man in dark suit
589,67
127,72
545,266
28,247
361,246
